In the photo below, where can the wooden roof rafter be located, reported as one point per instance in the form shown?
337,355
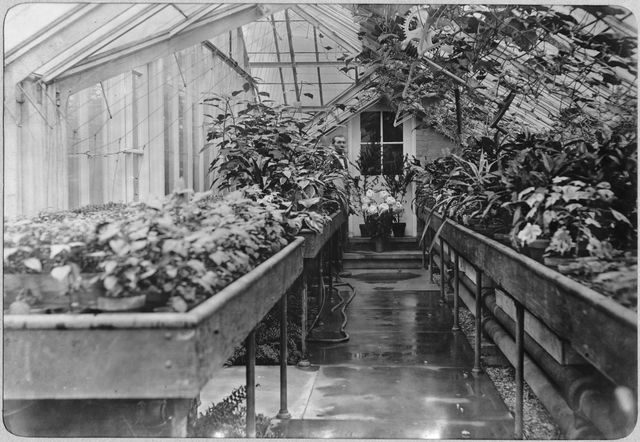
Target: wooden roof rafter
278,57
96,40
120,60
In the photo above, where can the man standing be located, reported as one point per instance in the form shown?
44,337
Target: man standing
339,142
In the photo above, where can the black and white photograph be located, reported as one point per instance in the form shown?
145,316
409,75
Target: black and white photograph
319,220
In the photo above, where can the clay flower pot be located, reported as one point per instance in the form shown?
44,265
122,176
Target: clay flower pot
398,229
126,304
364,230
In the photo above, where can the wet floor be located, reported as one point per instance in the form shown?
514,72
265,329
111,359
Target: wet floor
402,374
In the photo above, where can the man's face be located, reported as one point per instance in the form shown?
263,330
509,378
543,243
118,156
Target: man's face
340,144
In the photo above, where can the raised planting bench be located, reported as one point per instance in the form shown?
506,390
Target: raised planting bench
314,242
313,245
596,327
141,355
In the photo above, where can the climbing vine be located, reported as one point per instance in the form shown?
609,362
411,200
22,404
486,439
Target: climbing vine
572,69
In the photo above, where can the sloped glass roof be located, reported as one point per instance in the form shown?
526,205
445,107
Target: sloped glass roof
298,55
311,61
26,20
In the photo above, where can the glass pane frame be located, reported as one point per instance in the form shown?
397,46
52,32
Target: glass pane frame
381,144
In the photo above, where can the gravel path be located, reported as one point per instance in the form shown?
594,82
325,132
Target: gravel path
538,423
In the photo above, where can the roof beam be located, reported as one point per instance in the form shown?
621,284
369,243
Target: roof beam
193,18
55,39
109,65
315,44
277,46
292,54
345,43
231,62
97,40
48,32
284,64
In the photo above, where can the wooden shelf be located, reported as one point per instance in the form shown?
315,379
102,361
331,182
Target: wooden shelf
598,328
141,355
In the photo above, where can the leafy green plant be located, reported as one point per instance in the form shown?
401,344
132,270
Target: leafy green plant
188,248
491,45
398,184
265,146
227,419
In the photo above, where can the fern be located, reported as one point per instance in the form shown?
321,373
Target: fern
228,419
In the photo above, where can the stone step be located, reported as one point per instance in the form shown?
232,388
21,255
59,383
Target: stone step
406,259
356,244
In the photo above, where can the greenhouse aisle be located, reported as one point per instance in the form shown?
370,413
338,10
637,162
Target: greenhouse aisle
402,374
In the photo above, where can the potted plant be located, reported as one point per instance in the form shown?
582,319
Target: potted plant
368,179
398,185
378,216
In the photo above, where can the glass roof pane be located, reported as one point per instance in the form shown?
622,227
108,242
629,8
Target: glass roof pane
187,9
159,23
26,20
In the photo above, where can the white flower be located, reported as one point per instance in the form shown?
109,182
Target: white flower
534,199
384,194
369,193
373,209
390,200
366,200
605,194
398,207
529,233
559,179
365,207
561,241
384,207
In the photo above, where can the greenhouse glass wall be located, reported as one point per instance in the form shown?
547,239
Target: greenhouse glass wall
418,220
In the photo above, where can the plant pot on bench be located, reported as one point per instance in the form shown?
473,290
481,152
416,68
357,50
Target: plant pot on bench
398,229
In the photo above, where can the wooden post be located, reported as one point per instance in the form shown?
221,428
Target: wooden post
154,169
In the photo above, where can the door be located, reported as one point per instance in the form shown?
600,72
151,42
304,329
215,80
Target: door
379,148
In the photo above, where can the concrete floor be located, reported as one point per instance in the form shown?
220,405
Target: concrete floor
402,374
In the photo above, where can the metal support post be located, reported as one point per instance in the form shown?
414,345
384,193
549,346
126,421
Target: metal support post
443,271
456,289
331,258
519,424
283,413
429,258
251,384
320,279
476,362
304,362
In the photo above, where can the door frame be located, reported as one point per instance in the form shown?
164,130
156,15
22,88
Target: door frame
408,147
